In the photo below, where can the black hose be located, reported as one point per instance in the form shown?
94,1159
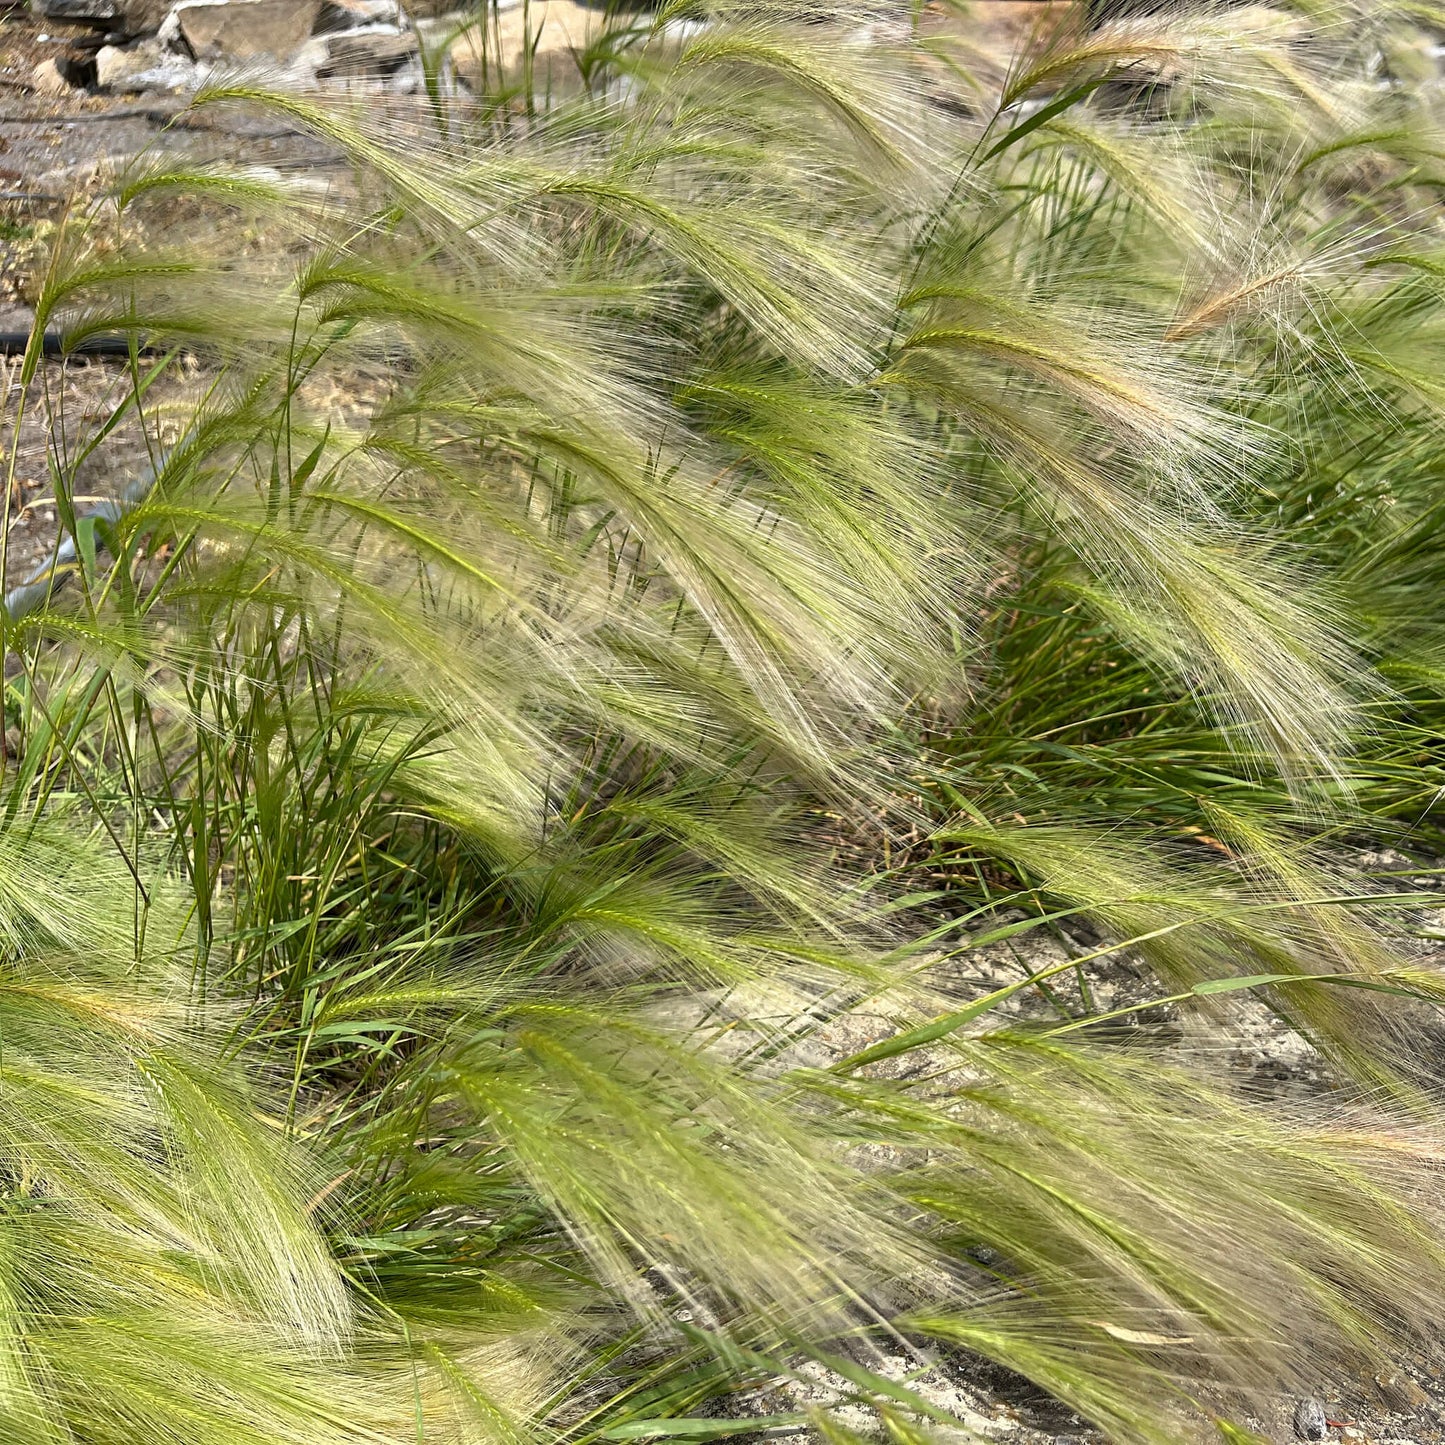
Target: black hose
53,343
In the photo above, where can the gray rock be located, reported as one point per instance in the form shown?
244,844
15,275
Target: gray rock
1309,1420
348,14
245,29
116,64
376,50
46,79
146,65
83,10
129,17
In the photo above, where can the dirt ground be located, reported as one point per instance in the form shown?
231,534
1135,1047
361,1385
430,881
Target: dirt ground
56,153
1246,1042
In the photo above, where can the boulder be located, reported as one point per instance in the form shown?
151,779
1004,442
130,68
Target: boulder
348,14
127,17
375,50
145,65
114,64
46,79
94,12
559,28
245,29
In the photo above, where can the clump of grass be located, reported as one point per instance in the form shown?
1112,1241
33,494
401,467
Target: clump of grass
633,554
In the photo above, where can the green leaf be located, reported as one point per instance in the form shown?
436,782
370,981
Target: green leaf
697,1429
1044,114
1234,985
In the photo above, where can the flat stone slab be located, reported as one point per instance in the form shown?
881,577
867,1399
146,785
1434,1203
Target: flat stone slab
247,29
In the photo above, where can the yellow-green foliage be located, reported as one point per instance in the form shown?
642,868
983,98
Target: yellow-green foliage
628,582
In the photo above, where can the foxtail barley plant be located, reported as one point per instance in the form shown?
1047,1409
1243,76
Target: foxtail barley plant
634,576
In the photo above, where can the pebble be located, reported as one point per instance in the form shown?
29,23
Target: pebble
1309,1420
